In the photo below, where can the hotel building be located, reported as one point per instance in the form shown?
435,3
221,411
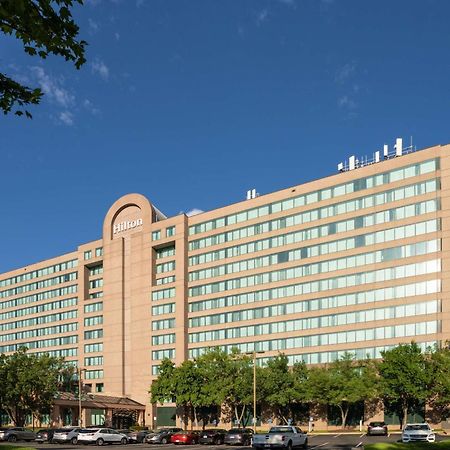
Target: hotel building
357,261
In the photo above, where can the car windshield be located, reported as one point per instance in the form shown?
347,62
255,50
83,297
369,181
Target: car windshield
63,430
280,430
236,431
91,430
377,424
419,427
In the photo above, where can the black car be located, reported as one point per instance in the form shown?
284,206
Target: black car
45,435
239,436
214,436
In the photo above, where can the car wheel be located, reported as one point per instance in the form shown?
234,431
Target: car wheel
12,438
289,446
100,441
164,441
305,444
74,441
124,441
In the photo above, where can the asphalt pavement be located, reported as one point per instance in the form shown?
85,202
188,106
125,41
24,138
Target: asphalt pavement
317,441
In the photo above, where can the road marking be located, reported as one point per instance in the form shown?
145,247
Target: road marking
321,445
363,435
389,434
359,444
337,435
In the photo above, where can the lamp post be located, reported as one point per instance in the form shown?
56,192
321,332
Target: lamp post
80,384
254,386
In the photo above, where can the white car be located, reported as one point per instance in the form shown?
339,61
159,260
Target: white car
65,435
418,432
101,436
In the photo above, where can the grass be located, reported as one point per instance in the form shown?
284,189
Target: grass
15,447
443,445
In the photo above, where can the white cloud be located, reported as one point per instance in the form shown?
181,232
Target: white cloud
52,88
66,117
100,68
91,107
117,36
194,212
345,72
347,102
261,16
93,26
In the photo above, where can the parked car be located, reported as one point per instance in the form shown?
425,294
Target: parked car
184,437
66,435
377,428
127,433
101,436
137,437
239,436
45,435
214,436
281,437
418,432
161,436
16,434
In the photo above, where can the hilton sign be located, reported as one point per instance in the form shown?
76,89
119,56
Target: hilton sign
127,225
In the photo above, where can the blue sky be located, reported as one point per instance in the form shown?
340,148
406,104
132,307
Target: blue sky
192,102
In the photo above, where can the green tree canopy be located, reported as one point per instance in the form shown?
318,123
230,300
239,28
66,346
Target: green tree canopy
282,388
404,378
343,383
163,388
29,384
438,368
44,27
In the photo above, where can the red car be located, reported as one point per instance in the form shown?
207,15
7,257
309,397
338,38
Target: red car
185,437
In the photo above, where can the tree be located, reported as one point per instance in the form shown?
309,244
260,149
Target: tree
404,378
44,27
438,369
188,389
343,383
163,388
238,387
282,387
29,384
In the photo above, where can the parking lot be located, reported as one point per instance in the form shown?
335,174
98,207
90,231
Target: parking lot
316,442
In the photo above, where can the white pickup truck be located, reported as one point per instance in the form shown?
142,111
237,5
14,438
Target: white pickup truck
281,437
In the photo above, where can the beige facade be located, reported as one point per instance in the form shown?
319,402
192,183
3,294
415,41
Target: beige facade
357,261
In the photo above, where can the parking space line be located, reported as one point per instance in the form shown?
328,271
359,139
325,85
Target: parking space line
337,435
362,435
359,444
321,445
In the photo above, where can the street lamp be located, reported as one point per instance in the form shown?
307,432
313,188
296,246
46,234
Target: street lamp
80,374
254,386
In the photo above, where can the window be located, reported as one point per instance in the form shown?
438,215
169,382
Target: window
87,255
99,251
156,235
170,231
99,387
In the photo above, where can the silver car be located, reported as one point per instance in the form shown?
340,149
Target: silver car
16,434
418,432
